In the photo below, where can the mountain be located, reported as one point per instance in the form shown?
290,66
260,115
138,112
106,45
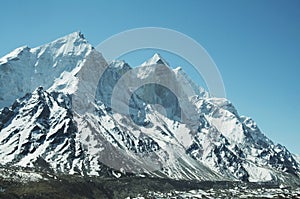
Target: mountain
297,158
66,110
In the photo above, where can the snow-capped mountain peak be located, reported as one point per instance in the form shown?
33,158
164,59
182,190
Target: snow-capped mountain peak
73,44
26,68
156,59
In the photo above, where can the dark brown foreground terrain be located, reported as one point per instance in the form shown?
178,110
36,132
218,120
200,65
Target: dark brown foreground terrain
86,187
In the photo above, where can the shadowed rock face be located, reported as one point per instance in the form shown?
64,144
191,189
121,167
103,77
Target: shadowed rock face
109,79
154,94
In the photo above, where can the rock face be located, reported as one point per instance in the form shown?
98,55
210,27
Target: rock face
64,108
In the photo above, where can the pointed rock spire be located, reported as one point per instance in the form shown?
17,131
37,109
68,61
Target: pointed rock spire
156,59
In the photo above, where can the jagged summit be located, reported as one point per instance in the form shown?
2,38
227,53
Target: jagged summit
156,59
77,34
73,43
74,36
80,34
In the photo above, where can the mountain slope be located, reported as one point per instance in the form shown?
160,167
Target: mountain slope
83,115
26,68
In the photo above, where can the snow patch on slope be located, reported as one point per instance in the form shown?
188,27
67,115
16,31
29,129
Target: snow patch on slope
297,158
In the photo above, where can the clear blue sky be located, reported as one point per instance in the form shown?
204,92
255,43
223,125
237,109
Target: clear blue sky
255,44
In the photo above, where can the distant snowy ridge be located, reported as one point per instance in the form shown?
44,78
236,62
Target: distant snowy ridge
66,122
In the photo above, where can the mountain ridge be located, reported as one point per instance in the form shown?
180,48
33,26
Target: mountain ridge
181,132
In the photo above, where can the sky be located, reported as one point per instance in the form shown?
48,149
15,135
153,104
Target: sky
255,45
